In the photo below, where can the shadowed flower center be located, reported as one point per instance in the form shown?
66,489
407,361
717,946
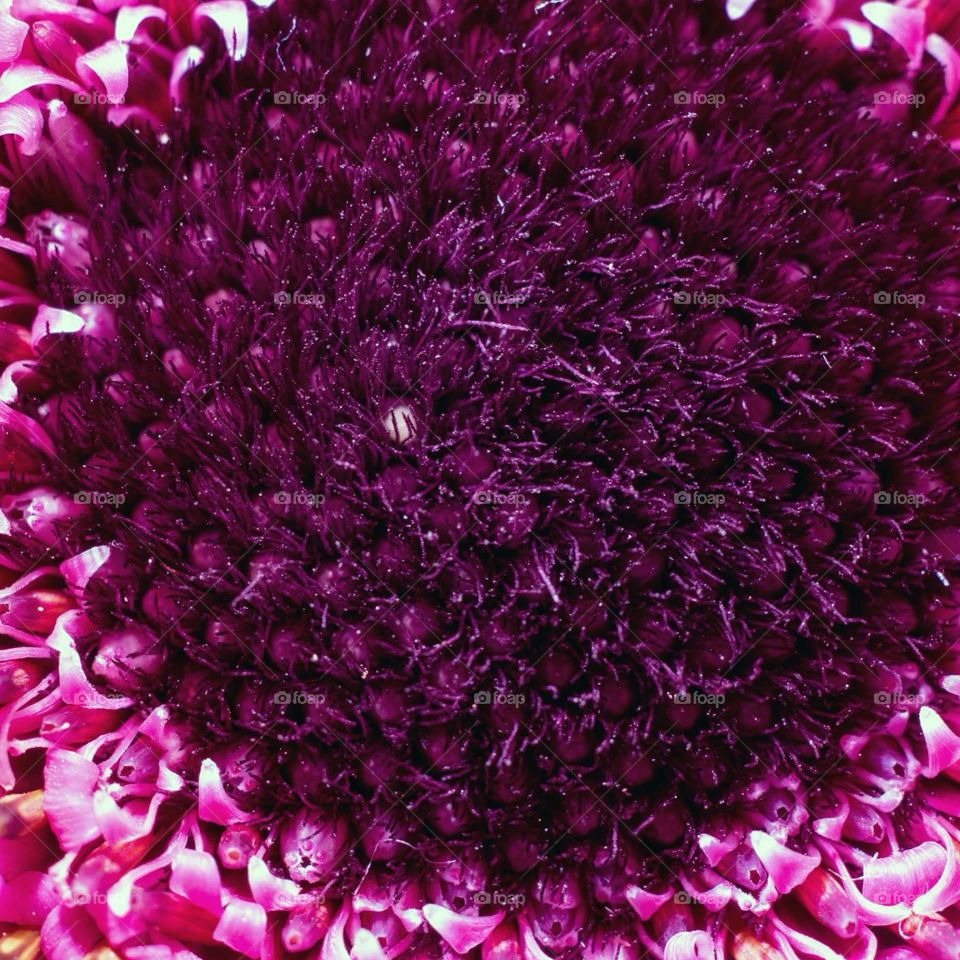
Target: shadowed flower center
500,464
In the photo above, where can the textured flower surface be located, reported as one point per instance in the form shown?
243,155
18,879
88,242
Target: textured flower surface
479,480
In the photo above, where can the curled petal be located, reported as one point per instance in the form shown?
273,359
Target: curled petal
786,867
463,933
906,26
943,745
215,805
231,17
242,927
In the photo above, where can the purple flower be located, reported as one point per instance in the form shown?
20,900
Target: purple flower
479,481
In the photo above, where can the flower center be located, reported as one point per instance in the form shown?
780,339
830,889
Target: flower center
502,465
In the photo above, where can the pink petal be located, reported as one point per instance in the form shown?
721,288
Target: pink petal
366,947
68,933
906,26
902,877
231,17
270,891
242,927
215,805
108,64
130,19
946,55
51,321
27,899
943,745
645,904
196,876
463,933
690,945
24,76
739,8
860,33
75,688
946,891
786,867
69,782
78,570
12,34
334,946
29,430
714,850
184,61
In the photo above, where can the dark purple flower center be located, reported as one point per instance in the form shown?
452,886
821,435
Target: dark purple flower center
527,435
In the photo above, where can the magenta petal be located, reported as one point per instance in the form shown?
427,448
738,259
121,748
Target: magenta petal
12,34
242,927
947,56
269,890
690,945
69,784
786,867
108,64
943,745
463,933
215,805
22,76
645,904
231,17
905,25
68,933
902,877
130,19
28,898
196,876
